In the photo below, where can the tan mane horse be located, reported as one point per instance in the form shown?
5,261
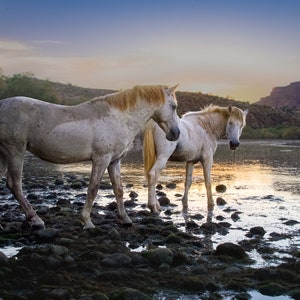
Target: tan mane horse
199,134
100,130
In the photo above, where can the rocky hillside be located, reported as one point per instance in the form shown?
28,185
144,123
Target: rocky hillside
287,96
258,117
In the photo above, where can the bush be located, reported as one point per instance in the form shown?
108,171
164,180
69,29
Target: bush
26,85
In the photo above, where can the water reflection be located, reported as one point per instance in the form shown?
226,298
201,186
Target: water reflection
262,180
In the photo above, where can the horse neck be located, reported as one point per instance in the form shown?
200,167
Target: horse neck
215,123
141,114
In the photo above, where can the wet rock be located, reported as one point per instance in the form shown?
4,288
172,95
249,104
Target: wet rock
160,255
220,201
59,181
235,216
173,238
46,235
152,220
171,185
257,230
200,270
231,249
77,185
291,222
272,289
116,260
191,224
193,282
164,201
133,195
221,188
209,228
58,250
159,187
129,294
59,293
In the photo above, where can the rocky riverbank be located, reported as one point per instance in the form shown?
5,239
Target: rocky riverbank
143,261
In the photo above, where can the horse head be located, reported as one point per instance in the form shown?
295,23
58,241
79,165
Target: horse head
166,116
235,124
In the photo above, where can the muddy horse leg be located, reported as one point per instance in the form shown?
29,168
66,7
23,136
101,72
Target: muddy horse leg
14,183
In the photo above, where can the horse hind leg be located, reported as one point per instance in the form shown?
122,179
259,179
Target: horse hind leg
14,183
114,171
189,168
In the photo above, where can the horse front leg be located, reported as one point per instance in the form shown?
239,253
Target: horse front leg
189,168
14,183
153,176
114,171
98,169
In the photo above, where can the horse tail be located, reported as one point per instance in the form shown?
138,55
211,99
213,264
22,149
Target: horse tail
149,150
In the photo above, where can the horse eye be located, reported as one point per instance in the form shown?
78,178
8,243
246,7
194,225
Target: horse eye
174,106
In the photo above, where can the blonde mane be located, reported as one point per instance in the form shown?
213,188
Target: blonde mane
235,112
127,99
208,123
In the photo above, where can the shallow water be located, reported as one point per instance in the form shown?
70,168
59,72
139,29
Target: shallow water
263,186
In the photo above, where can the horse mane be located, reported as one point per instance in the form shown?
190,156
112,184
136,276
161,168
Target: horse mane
127,99
208,123
235,112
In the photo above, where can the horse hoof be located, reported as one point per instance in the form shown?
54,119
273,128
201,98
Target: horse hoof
89,225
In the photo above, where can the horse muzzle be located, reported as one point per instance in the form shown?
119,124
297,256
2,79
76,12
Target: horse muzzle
173,134
233,145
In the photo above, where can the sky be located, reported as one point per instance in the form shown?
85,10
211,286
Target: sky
231,48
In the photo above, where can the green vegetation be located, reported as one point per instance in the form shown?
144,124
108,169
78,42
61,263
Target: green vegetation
290,133
26,85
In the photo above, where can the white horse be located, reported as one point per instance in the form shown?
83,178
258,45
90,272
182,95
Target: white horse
199,134
100,130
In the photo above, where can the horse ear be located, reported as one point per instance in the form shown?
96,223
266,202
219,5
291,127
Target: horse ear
172,89
230,108
245,112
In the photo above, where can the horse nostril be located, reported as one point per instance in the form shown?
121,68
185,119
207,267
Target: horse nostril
173,134
233,145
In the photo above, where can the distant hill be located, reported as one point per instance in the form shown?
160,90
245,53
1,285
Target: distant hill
286,96
258,117
263,121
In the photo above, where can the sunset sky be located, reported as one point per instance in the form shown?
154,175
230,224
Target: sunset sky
239,49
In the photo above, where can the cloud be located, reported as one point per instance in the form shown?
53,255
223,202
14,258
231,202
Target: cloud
8,45
51,42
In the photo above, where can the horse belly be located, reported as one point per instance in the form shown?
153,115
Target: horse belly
61,148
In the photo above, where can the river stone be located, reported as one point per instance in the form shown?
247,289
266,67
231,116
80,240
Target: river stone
221,188
272,289
46,235
160,255
171,185
164,201
59,181
129,294
58,250
220,201
257,230
116,260
231,249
